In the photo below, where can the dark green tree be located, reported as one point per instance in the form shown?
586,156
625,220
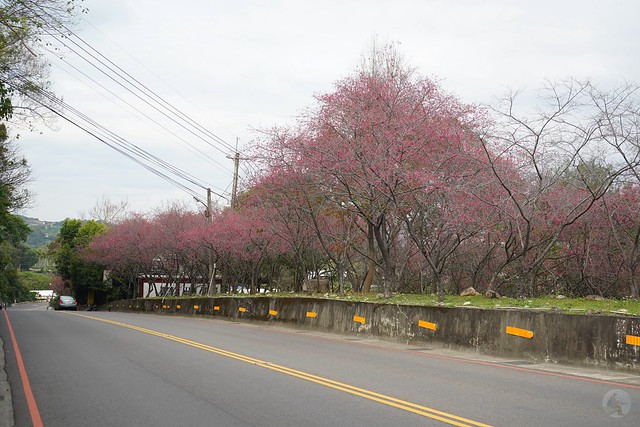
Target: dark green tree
14,174
35,281
69,249
11,289
28,257
23,77
25,26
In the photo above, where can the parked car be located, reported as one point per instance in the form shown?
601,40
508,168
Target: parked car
64,302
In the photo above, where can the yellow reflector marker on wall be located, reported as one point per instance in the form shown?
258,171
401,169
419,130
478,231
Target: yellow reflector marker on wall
216,308
196,307
311,314
178,306
242,309
164,306
524,333
273,312
358,319
427,325
633,340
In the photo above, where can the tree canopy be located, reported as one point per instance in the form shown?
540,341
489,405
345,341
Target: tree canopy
70,249
14,175
390,183
23,75
24,71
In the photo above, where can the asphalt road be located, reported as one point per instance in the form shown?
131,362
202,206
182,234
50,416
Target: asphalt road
121,369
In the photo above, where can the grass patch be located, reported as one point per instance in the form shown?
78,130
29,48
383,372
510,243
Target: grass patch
566,305
569,305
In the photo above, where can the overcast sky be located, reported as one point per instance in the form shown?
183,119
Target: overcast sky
241,65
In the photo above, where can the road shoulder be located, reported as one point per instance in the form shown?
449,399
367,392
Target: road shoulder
6,403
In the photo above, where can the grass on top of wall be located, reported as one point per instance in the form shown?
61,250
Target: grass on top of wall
550,303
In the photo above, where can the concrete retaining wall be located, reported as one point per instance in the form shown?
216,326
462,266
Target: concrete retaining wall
592,340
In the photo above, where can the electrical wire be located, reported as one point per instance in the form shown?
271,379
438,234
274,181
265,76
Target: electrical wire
136,85
190,147
113,72
109,138
150,71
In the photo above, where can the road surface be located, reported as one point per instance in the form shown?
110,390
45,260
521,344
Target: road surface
127,369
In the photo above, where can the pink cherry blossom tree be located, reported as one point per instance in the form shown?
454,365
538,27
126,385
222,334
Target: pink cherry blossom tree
380,135
128,251
246,241
180,264
538,202
623,217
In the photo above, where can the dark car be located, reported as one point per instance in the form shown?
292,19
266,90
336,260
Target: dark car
64,302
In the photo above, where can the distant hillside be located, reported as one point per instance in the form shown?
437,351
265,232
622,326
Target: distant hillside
42,232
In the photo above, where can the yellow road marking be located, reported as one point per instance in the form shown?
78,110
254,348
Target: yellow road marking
427,325
524,333
356,391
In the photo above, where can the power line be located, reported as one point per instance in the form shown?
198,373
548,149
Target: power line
136,85
148,70
192,147
151,103
113,72
119,144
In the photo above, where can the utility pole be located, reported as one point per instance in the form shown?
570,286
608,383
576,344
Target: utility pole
234,195
234,188
209,216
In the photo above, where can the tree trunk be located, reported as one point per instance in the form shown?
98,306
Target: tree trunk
223,277
371,253
634,285
340,273
439,289
389,268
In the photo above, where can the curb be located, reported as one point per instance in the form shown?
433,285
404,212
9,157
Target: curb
6,404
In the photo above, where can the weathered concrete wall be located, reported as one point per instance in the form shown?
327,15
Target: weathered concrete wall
594,340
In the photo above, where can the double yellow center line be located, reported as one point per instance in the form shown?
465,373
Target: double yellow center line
356,391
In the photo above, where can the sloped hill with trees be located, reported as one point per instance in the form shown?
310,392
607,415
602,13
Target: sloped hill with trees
42,232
